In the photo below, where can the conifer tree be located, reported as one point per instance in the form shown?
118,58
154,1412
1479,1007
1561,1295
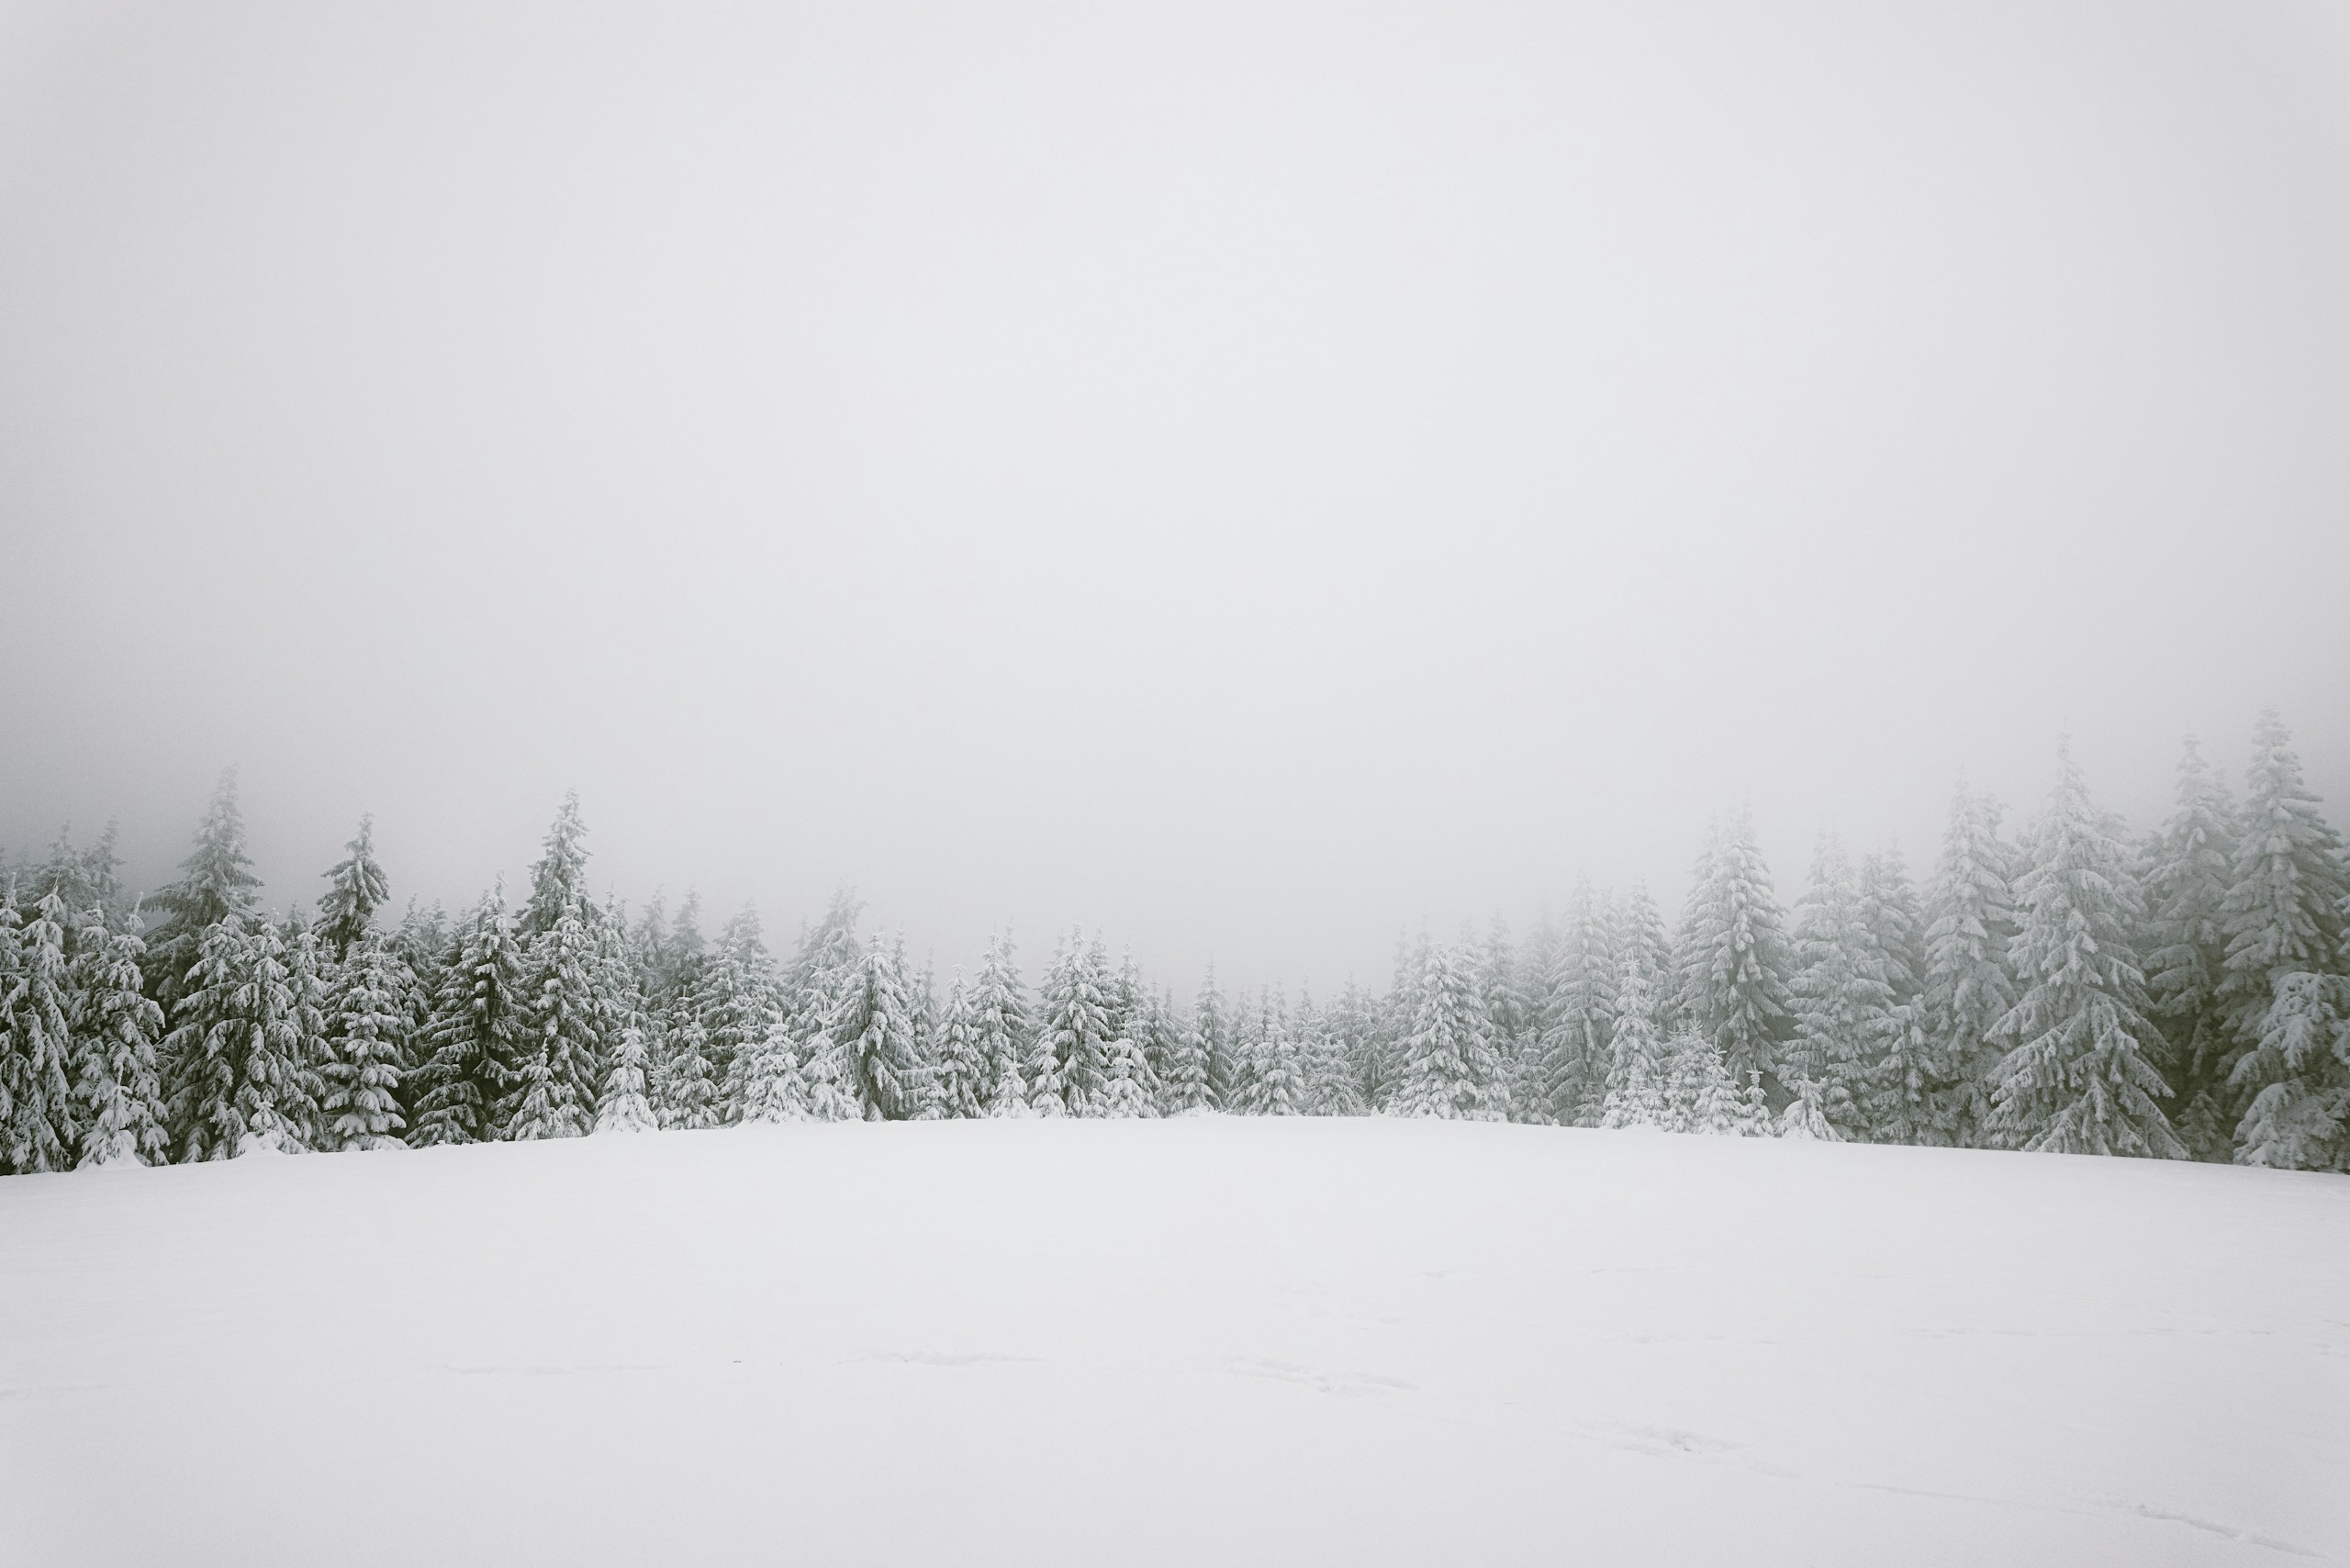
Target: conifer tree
1577,1014
689,1094
1274,1087
737,1002
1969,978
367,1027
1449,1067
1639,1064
963,1076
558,1065
1889,909
1735,959
220,881
38,1119
559,880
2189,869
1073,1031
1843,1005
875,1026
1003,1028
2286,913
356,887
240,1081
1211,1037
2078,1078
117,1086
1184,1084
475,1038
1341,1087
1698,1096
306,984
1634,930
623,1107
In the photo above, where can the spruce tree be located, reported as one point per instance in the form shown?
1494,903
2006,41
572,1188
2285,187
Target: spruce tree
117,1086
875,1027
2189,869
367,1028
2078,1078
1639,1064
963,1074
559,880
241,1079
1004,1031
1274,1087
1449,1067
476,1036
689,1096
558,1056
220,881
738,1004
1843,1005
1969,978
307,983
623,1107
2286,909
1735,959
1073,1031
38,1119
1184,1084
1577,1014
1342,1088
356,887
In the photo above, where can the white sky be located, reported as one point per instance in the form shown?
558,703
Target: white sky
1251,478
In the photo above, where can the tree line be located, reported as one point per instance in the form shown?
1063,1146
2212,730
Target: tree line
2185,993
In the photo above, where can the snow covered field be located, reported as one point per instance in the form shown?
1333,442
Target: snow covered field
1200,1341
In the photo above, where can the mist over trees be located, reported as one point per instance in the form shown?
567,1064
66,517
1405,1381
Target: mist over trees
2070,988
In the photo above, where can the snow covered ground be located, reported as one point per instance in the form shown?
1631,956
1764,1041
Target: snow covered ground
1203,1341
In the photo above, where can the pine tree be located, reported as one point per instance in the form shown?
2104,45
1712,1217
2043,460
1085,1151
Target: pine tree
1735,961
559,880
1698,1096
875,1026
2190,867
476,1036
963,1074
220,881
623,1107
38,1118
689,1096
2076,1078
1577,1014
116,1030
1639,1064
1843,1005
557,1065
307,985
1969,978
1274,1087
356,887
1449,1066
2286,913
738,1004
367,1027
1003,1030
1340,1087
240,1081
1073,1031
1188,1085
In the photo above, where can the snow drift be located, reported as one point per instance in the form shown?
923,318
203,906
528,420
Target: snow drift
1203,1340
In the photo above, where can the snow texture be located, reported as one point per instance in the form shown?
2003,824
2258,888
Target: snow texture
1218,1341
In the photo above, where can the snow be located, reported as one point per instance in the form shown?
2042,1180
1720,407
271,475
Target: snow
1201,1341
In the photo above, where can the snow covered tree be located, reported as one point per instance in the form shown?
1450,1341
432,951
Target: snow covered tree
220,881
239,1080
2076,1078
1639,1068
1635,937
961,1076
307,983
558,1056
38,1119
1969,980
1187,1083
1698,1095
1339,1083
1003,1030
2190,867
356,887
1577,1012
559,880
1735,961
875,1027
1890,909
367,1028
2285,916
1073,1029
1449,1067
738,1004
623,1107
117,1086
688,1089
476,1036
1843,1003
1274,1087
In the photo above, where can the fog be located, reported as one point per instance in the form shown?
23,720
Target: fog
1250,478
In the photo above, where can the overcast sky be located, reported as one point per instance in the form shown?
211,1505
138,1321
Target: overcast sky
1249,477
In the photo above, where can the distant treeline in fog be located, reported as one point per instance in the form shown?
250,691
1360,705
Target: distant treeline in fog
2072,988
